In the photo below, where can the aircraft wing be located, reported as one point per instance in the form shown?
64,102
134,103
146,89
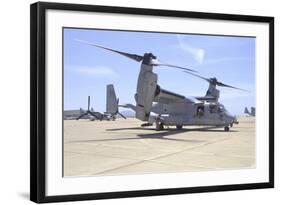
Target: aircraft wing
165,96
130,106
206,98
194,100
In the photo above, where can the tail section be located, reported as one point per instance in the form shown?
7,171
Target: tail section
111,100
246,111
253,111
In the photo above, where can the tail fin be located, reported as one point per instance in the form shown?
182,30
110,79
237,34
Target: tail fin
111,100
253,111
246,111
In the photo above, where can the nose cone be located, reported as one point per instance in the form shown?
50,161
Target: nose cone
230,118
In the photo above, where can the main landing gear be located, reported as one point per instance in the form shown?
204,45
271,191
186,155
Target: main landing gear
159,125
226,128
179,127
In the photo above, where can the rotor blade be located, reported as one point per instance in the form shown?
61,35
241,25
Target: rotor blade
156,63
121,115
94,115
199,76
135,57
217,83
84,114
229,86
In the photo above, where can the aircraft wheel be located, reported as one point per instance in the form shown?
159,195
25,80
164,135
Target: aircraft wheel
231,125
159,125
226,128
179,127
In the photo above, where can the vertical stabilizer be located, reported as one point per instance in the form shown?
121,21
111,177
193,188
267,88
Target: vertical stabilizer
246,111
111,100
253,111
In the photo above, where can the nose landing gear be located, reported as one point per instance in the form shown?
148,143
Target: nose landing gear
159,125
179,127
226,128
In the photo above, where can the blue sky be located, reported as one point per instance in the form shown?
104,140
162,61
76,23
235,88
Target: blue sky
87,70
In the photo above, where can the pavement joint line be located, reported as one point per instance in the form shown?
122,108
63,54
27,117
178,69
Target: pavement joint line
123,147
191,148
204,167
116,168
104,155
130,164
179,164
118,146
141,161
158,157
160,172
150,159
226,155
140,149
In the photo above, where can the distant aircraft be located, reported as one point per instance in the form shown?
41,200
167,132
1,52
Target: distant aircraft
252,113
111,107
162,107
112,103
72,114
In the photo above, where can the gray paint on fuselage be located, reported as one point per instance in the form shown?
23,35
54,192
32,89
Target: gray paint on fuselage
184,113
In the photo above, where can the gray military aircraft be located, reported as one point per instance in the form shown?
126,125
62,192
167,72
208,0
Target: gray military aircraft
111,108
162,107
252,113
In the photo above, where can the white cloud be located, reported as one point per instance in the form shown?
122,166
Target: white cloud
96,71
197,53
226,59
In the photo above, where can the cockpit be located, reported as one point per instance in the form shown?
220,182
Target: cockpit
213,108
216,108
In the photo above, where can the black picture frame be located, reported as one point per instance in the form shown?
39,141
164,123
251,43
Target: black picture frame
38,101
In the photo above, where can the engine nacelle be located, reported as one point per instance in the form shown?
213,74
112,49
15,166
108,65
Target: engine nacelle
213,92
146,87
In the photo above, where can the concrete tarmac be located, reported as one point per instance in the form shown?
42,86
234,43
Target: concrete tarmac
95,148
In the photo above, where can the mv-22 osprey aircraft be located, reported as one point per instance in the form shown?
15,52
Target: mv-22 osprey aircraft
162,107
111,108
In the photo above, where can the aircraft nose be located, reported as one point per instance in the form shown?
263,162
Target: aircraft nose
232,118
